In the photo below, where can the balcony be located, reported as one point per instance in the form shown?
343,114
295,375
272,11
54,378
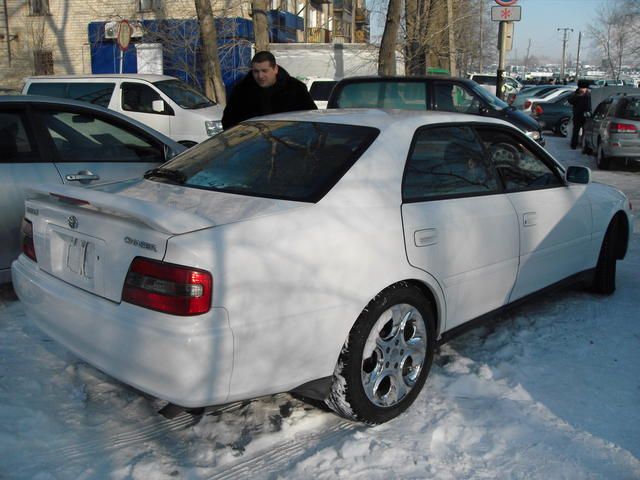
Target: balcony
342,5
319,35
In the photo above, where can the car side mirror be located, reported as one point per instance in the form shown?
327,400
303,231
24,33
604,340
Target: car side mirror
483,110
578,174
157,106
587,114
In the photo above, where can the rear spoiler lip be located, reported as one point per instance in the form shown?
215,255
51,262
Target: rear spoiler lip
161,218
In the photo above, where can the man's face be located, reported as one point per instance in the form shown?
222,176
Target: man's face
264,74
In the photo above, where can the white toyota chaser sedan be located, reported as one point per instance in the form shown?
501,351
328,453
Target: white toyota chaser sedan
324,253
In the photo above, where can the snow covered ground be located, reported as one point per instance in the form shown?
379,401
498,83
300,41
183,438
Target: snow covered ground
550,391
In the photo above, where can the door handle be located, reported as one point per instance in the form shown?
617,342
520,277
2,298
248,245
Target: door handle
423,238
83,176
530,219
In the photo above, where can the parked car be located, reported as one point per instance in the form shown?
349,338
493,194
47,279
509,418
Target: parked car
530,92
440,93
554,114
545,97
50,140
318,252
488,82
613,131
164,103
320,89
608,82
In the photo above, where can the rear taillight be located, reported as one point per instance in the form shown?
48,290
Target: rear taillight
537,110
168,288
615,127
510,98
527,104
28,247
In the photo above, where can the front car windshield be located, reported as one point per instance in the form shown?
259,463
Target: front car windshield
184,95
492,100
282,159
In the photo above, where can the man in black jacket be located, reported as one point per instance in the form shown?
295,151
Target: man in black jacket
581,103
267,89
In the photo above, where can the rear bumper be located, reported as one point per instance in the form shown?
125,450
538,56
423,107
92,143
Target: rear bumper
184,360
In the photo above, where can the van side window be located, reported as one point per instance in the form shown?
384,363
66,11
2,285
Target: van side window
49,89
96,93
137,97
447,162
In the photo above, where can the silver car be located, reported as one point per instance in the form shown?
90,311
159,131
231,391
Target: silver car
50,140
613,132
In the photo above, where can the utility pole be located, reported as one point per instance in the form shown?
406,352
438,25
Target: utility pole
578,56
564,49
354,7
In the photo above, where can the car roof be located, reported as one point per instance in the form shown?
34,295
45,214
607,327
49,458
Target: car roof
397,78
149,77
42,100
382,118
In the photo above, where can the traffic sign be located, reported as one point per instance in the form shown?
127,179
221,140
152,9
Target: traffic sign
506,3
506,14
124,35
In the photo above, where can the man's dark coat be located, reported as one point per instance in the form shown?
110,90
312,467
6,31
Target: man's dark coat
248,98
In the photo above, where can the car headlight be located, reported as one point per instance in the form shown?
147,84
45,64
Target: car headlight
534,134
213,127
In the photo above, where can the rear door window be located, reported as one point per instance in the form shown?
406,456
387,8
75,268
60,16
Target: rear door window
96,93
54,89
275,159
401,95
82,137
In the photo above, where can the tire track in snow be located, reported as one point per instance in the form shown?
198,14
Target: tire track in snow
269,461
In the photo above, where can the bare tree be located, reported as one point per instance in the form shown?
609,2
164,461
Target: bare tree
387,57
616,34
214,87
261,24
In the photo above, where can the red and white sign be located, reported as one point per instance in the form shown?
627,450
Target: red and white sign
124,35
506,14
506,3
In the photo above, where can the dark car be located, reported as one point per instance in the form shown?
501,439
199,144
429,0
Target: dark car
553,115
613,131
447,94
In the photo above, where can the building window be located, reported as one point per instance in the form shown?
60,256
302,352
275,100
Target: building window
43,62
148,5
39,7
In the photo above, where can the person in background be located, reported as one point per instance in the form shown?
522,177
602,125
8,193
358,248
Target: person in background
267,88
580,100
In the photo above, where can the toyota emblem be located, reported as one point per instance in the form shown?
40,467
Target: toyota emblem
73,221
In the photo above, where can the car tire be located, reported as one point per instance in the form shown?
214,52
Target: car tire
585,148
602,161
604,281
562,128
386,358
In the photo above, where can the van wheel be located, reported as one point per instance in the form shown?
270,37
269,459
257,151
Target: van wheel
602,161
386,358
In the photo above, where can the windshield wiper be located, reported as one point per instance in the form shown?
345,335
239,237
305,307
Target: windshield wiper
174,175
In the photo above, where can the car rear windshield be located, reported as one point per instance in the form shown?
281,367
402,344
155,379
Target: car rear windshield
287,160
321,89
630,109
184,95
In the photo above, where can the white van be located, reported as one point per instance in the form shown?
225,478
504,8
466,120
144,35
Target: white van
164,103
